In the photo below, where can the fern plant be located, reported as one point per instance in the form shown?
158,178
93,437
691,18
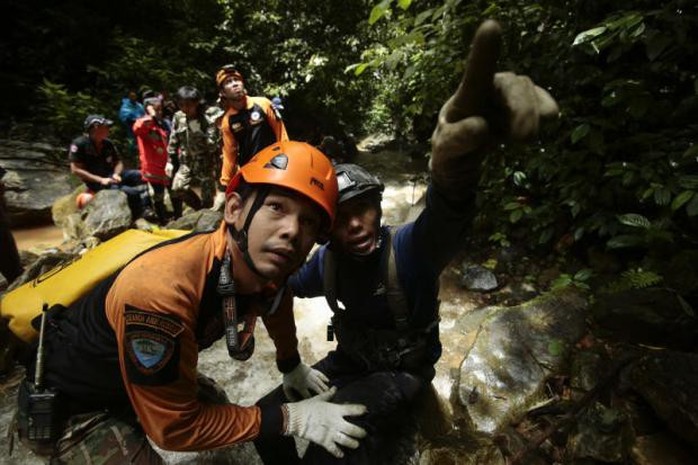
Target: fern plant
634,278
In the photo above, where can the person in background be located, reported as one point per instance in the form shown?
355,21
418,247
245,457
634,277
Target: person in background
152,135
95,160
214,116
10,264
123,358
191,152
382,282
248,125
131,109
278,106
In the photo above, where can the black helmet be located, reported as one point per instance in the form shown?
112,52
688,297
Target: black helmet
94,120
189,93
353,180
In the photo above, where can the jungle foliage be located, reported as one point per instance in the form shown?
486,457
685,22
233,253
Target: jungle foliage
619,168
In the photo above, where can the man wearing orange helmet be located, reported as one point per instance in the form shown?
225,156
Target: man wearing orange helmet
124,358
387,278
248,125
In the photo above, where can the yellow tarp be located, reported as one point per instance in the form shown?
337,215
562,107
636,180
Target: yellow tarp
67,282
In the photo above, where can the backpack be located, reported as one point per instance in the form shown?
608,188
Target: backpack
70,280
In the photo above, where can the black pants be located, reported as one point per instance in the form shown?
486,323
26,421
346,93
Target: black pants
389,397
133,186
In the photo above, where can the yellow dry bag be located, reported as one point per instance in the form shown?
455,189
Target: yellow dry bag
68,281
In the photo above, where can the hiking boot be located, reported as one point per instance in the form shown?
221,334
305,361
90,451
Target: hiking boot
149,215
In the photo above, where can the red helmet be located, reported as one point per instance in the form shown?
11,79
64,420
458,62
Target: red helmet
293,165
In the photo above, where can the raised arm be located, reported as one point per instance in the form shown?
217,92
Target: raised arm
486,109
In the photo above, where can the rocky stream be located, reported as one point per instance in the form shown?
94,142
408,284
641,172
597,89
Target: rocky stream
528,376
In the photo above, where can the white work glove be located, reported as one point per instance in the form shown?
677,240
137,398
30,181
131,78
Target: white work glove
322,422
303,379
218,202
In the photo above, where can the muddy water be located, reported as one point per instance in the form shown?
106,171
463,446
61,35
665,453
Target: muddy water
245,382
38,238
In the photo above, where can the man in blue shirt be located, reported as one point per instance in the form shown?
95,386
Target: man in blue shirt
382,281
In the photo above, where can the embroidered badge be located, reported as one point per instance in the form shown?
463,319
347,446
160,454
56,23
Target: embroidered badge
150,351
255,115
151,347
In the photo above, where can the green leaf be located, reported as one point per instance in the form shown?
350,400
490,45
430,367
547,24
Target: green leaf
588,35
360,69
556,347
635,220
647,194
564,280
624,241
515,216
628,178
404,4
423,16
545,236
583,274
681,199
625,22
662,196
576,208
689,181
379,11
580,132
692,207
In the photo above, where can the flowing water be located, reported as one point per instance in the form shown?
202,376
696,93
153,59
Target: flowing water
245,382
38,238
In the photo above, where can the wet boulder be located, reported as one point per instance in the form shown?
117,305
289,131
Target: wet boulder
668,381
107,215
658,317
602,434
37,174
514,351
201,220
477,278
660,449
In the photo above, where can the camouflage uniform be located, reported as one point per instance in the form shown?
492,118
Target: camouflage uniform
101,438
214,115
192,146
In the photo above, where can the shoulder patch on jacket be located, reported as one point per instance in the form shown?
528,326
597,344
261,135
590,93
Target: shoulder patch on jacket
151,347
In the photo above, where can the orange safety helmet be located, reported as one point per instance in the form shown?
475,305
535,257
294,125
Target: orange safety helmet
225,71
293,165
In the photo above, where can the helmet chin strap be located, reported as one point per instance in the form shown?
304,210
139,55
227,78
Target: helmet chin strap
241,236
